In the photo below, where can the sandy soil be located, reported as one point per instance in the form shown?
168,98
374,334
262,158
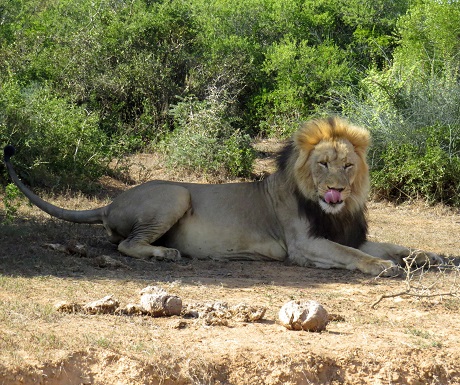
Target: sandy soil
410,338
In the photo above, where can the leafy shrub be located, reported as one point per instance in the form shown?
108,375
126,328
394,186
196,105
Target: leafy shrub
413,108
410,171
303,77
52,136
429,40
12,201
204,139
415,128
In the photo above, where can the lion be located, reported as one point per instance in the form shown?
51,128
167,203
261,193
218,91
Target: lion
310,212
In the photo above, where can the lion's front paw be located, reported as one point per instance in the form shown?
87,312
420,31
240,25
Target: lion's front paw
381,267
424,259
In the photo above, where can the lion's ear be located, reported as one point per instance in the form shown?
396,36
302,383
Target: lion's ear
360,139
310,134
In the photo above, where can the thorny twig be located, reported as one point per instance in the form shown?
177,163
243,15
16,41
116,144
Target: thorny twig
408,293
416,286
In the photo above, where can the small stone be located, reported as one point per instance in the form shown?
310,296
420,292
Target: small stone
178,324
68,307
106,305
56,247
247,313
304,315
130,309
105,261
157,302
77,248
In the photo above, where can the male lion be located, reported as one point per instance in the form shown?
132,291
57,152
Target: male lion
311,212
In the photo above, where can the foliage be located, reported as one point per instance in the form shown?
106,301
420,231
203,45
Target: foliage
12,201
413,109
88,83
52,135
83,82
410,171
429,40
205,141
303,77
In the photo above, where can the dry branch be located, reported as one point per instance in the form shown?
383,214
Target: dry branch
418,285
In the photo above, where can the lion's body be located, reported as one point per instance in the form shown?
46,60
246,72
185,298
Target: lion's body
202,233
212,221
311,212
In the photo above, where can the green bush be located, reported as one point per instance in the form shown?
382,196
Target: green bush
204,139
429,43
303,77
12,200
80,84
424,172
58,143
415,129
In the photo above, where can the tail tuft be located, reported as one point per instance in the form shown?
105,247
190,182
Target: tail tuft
8,152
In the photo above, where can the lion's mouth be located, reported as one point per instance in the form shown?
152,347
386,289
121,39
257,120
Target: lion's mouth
331,202
332,196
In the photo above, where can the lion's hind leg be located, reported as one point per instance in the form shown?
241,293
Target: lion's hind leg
153,218
144,250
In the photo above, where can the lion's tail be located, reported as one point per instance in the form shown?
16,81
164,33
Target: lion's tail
77,216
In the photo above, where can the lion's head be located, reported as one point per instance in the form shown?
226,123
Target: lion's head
326,161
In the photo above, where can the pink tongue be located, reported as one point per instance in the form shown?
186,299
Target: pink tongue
332,196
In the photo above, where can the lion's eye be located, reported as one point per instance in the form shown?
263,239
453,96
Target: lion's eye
348,166
323,164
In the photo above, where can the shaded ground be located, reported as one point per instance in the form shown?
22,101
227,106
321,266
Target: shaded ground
403,340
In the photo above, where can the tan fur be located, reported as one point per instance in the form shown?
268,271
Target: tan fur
260,220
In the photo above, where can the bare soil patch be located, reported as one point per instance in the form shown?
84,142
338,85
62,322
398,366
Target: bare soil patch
403,340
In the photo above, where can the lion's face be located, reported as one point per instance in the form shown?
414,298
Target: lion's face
331,167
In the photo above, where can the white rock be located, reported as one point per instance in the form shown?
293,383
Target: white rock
304,315
157,302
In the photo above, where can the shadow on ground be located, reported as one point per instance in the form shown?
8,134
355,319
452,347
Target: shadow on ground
23,253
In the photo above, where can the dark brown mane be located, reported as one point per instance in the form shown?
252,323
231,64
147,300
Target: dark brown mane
348,229
284,156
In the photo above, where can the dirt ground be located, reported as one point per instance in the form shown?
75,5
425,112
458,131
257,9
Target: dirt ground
410,337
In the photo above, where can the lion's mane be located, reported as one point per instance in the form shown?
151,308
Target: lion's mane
349,227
